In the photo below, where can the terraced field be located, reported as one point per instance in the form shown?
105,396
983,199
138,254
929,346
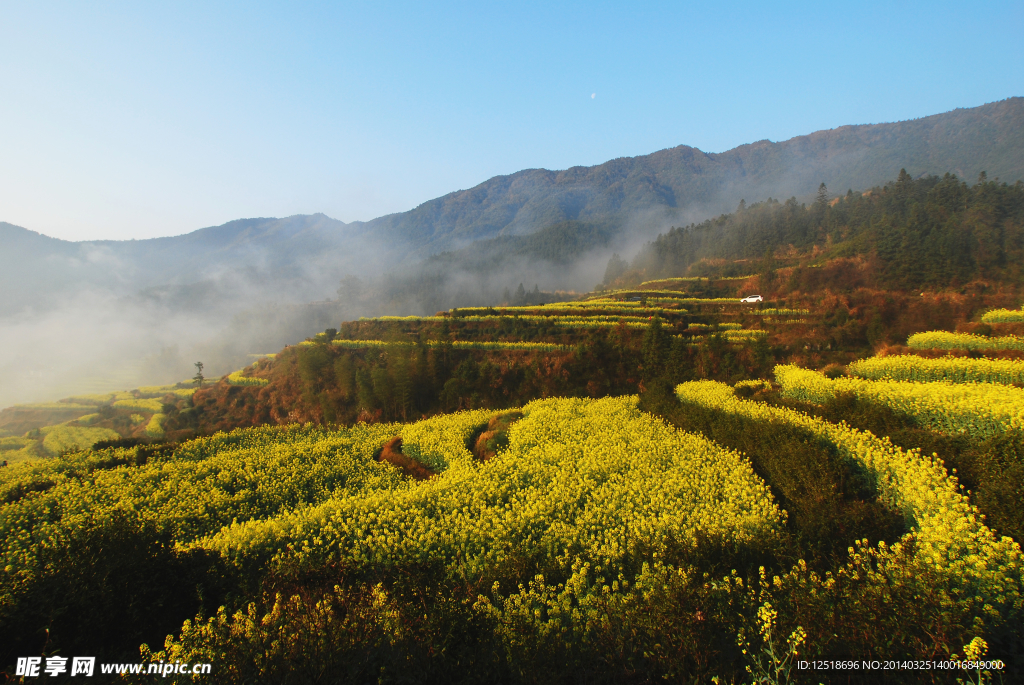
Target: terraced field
418,510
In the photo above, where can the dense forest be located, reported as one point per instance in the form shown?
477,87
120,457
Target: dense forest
924,233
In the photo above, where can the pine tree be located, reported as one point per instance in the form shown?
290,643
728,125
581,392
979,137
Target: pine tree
822,200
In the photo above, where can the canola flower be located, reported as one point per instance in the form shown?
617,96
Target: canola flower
411,317
979,409
626,308
62,437
97,399
510,345
727,326
943,340
236,378
909,367
12,443
736,337
457,344
709,300
568,320
155,427
672,301
756,384
668,294
675,279
602,324
948,534
782,311
161,390
574,319
246,474
742,336
580,482
1003,316
147,405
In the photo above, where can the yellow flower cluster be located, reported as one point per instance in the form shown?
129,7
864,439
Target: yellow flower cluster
610,307
362,344
667,294
909,367
772,311
564,311
734,336
155,427
948,534
147,405
756,384
675,279
974,408
440,442
247,474
744,335
62,437
1003,316
637,322
709,300
942,340
236,378
503,345
401,318
581,481
572,319
458,344
161,390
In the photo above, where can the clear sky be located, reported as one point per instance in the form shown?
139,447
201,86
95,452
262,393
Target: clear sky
132,119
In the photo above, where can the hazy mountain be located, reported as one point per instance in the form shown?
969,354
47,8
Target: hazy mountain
164,302
303,257
683,182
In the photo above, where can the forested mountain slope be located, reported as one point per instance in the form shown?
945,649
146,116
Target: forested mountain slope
931,232
302,257
964,142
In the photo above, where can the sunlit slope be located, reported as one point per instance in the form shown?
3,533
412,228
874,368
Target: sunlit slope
583,486
948,536
977,409
587,516
905,367
48,429
577,475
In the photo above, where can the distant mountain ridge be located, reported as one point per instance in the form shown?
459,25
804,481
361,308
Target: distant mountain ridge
302,257
75,312
965,142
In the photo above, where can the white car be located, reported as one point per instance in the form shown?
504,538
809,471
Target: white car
749,299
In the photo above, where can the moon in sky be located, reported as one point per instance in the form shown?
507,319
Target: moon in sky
593,95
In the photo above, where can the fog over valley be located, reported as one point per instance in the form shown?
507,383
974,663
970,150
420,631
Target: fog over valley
83,317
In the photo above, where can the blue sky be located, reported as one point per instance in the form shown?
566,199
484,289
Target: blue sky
135,120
